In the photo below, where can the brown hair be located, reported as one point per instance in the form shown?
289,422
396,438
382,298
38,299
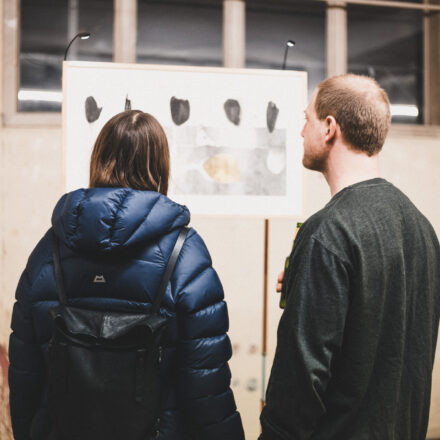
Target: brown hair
360,107
131,151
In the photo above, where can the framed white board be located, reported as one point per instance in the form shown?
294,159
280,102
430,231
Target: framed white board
234,134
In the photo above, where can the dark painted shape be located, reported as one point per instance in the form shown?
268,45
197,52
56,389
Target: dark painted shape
179,110
271,116
232,110
251,384
92,109
127,104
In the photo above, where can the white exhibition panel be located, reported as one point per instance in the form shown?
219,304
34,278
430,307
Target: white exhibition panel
234,134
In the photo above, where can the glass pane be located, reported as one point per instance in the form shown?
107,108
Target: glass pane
387,44
269,27
178,32
47,26
96,17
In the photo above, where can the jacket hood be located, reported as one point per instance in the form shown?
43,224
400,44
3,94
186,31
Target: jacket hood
109,219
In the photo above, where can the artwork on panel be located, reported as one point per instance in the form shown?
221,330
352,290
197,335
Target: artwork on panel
210,163
271,116
92,110
179,110
127,104
232,110
234,139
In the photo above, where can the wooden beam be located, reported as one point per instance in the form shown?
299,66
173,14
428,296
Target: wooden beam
234,33
431,68
125,31
389,4
336,29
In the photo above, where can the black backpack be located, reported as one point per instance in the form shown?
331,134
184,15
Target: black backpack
104,367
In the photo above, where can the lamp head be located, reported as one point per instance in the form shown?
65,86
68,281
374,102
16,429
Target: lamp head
84,35
290,43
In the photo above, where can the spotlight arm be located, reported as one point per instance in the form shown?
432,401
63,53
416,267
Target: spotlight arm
285,57
82,35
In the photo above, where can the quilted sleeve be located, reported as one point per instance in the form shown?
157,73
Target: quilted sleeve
204,347
310,336
26,369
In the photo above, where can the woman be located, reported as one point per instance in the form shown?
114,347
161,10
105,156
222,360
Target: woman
115,240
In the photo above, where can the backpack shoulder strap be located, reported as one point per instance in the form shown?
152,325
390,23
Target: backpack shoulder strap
170,268
57,269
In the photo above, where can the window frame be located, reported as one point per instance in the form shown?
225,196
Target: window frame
124,35
125,28
11,72
337,44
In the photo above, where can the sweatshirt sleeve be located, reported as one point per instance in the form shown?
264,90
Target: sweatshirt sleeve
26,369
204,347
310,336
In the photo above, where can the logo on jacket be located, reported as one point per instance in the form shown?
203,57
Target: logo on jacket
99,279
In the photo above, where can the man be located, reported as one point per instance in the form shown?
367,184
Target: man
357,338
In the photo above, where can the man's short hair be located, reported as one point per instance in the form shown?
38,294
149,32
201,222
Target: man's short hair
360,107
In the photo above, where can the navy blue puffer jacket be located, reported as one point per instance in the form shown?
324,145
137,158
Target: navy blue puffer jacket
127,236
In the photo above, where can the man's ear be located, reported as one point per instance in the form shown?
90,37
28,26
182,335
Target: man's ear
330,129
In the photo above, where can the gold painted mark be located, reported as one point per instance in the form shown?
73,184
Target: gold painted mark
223,168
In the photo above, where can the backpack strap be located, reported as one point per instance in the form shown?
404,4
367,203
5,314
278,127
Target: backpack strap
170,268
57,269
163,285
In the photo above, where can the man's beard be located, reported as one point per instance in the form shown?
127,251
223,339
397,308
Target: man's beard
316,162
